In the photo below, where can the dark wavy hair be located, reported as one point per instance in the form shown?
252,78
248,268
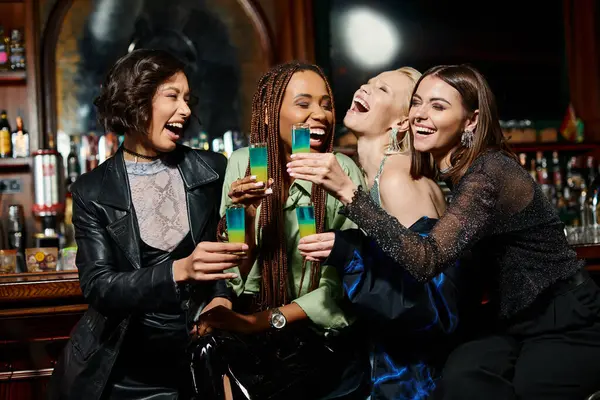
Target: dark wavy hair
125,102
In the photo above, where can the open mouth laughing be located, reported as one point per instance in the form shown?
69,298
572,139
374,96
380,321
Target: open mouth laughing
359,105
175,129
423,130
317,137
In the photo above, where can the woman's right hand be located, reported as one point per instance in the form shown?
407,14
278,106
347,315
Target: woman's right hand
317,247
248,192
208,261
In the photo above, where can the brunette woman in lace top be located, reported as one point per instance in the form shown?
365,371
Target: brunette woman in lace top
148,260
544,342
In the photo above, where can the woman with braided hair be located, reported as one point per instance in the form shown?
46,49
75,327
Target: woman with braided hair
280,291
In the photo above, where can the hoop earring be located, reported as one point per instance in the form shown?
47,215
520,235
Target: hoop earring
467,138
394,146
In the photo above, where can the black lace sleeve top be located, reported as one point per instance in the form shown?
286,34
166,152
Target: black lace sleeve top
497,209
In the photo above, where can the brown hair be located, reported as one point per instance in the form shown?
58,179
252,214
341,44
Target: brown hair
266,106
475,95
124,105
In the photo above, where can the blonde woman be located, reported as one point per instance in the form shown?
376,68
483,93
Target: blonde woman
379,118
411,324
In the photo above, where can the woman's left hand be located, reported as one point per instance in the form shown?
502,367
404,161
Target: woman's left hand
228,320
202,328
324,170
317,247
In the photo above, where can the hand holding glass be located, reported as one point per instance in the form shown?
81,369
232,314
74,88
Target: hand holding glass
300,138
259,166
306,220
236,224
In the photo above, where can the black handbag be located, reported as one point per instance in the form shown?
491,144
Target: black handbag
291,364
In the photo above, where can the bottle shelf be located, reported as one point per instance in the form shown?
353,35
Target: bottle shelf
13,76
560,146
14,164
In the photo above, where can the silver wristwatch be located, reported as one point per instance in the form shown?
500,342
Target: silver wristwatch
277,319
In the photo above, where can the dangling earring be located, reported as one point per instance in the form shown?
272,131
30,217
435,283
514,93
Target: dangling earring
394,146
467,138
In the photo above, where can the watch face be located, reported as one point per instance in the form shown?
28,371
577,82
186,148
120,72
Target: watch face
278,321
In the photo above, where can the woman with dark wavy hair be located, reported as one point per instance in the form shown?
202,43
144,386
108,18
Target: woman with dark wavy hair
541,338
145,223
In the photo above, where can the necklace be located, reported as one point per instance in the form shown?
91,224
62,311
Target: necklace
138,155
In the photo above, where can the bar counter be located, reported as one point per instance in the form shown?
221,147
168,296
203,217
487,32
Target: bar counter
38,311
591,254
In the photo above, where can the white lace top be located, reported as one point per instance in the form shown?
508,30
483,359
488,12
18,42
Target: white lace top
158,197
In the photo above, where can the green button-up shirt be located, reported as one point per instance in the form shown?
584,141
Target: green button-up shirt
322,305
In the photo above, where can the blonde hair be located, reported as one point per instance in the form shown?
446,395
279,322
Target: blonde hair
405,144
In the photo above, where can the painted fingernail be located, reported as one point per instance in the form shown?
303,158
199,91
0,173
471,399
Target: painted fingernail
259,184
253,177
233,276
293,156
269,191
245,247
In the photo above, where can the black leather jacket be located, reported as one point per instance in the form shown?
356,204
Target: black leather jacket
110,274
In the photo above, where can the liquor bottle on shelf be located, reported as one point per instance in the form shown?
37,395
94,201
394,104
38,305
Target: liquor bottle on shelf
68,230
20,140
228,143
218,146
84,149
5,140
1,235
17,234
542,174
581,190
17,50
557,181
112,144
572,193
590,170
49,236
4,51
63,145
593,194
556,172
541,168
239,140
203,141
107,146
523,160
73,165
48,180
91,161
532,170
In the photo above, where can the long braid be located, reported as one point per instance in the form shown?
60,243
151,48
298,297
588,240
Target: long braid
274,249
319,198
266,106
